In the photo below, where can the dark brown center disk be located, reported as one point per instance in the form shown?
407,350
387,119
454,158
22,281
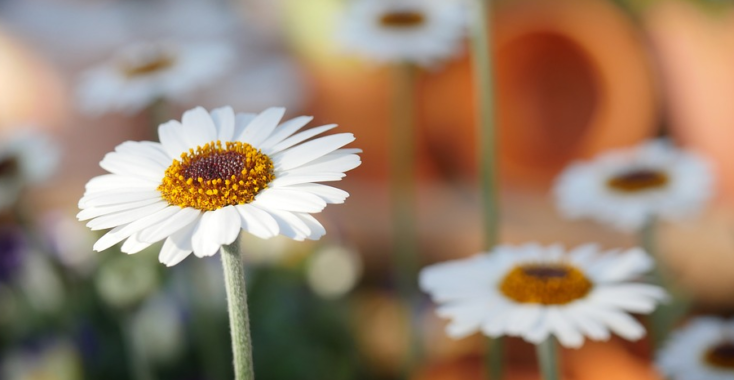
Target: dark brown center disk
216,166
638,180
402,19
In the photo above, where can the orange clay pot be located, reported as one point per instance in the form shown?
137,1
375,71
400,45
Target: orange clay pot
32,93
594,360
573,79
695,47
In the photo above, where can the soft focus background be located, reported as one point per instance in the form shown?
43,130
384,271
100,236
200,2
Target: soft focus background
574,78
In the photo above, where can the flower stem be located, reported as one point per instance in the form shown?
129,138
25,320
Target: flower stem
483,76
661,320
403,201
137,360
239,320
547,359
158,112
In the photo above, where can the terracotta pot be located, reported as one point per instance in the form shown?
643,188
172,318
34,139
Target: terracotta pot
32,93
695,49
572,78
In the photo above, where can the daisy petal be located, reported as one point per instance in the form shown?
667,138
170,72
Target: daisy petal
160,231
262,126
178,246
124,217
198,127
257,221
303,136
311,150
216,228
289,200
133,245
171,136
224,123
121,233
284,131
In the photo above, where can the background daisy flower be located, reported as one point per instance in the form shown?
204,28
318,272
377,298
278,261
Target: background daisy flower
702,350
212,175
625,188
534,292
417,31
27,157
142,73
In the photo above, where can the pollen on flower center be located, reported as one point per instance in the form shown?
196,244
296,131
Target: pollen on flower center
159,62
721,355
402,19
213,176
547,284
638,180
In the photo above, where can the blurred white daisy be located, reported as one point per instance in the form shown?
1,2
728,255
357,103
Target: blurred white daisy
416,31
534,292
212,175
701,350
625,188
140,74
27,157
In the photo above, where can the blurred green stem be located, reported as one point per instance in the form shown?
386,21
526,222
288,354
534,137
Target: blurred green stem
239,320
403,188
662,320
158,113
547,359
484,84
138,362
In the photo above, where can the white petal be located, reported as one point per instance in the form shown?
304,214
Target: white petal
262,126
289,200
162,230
241,121
109,198
620,323
120,233
178,246
329,194
171,136
150,150
310,151
566,332
224,122
94,212
198,127
317,230
526,317
303,136
133,245
285,130
133,166
125,217
257,221
115,181
295,179
289,225
331,163
216,228
589,326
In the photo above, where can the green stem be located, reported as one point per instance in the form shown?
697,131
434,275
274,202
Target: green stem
158,113
483,75
547,359
661,320
137,360
239,320
403,200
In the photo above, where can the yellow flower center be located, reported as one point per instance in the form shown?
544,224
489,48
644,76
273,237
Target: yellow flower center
214,176
547,284
402,19
158,62
638,180
721,355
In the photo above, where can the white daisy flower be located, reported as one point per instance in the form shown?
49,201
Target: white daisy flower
417,31
702,350
625,188
212,175
140,74
533,292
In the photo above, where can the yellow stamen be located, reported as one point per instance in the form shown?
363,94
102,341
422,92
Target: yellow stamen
214,176
158,63
547,284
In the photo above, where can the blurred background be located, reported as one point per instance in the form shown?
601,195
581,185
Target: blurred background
574,78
